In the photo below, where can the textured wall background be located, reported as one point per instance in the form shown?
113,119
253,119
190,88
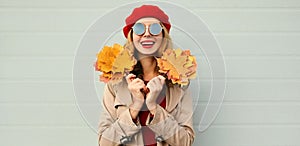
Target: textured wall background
259,38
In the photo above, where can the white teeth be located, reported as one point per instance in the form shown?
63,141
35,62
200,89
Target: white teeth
147,43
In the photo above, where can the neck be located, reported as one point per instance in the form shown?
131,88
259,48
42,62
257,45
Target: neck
149,65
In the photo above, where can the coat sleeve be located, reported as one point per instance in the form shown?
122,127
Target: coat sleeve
115,122
176,128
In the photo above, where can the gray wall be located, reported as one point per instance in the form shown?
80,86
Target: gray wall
259,38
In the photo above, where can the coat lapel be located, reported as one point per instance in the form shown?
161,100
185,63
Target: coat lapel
123,96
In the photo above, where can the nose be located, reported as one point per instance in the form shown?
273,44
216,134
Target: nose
147,33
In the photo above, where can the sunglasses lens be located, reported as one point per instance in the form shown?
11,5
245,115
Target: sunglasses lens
138,28
155,29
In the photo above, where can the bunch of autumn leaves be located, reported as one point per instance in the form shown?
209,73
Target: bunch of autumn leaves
115,62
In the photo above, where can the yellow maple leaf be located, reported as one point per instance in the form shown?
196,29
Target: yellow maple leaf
124,62
113,62
179,65
106,57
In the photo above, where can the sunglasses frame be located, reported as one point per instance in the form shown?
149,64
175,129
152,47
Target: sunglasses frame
147,27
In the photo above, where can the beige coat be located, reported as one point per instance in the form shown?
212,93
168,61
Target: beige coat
174,123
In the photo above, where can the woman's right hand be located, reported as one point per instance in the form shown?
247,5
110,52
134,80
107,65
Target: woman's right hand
134,86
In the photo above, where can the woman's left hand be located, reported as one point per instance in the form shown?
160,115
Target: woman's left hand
155,86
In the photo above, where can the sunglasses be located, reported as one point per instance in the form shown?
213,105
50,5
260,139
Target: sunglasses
140,28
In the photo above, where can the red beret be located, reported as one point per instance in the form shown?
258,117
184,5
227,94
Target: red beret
146,11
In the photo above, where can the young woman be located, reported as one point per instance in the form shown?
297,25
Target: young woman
146,108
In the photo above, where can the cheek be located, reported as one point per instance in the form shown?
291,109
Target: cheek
159,41
135,39
159,38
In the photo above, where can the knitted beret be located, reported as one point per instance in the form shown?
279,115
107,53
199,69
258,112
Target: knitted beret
146,11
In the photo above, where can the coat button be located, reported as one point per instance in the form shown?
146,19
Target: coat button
125,139
159,139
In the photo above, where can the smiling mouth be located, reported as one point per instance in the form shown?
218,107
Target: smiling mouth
147,44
